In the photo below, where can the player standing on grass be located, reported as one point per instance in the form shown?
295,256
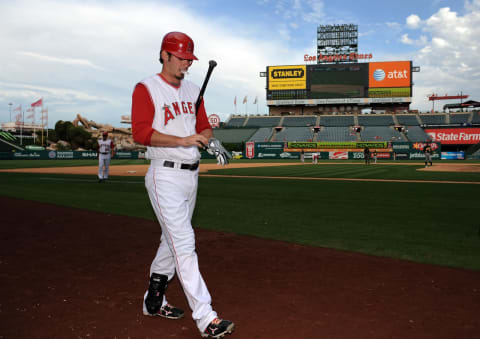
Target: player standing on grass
164,119
105,152
366,155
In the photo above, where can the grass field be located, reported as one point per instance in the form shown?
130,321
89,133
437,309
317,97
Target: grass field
434,223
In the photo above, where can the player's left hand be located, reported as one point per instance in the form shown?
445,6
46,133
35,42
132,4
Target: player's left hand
216,148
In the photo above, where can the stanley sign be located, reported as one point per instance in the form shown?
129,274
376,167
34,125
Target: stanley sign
287,77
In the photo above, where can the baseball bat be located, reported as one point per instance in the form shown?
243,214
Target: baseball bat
211,66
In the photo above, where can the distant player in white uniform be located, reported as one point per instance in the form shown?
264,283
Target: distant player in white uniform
164,119
104,153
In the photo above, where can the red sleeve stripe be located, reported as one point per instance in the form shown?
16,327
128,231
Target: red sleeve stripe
202,120
143,113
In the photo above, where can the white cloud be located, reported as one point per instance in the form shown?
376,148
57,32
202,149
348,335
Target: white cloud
472,5
89,52
311,11
67,61
450,59
393,25
406,40
413,21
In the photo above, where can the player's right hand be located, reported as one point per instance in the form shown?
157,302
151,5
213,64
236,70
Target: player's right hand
194,140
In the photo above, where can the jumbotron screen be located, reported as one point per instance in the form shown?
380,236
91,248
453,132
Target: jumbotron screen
331,81
337,81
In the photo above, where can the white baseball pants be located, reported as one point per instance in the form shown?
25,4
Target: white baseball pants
103,162
173,193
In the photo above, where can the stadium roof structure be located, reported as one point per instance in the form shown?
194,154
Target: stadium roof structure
466,104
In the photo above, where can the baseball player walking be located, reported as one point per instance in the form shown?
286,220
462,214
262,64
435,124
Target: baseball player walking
164,119
104,153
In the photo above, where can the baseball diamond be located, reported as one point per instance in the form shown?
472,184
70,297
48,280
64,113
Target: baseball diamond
334,196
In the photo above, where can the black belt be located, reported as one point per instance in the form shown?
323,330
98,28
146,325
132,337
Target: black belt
191,167
104,153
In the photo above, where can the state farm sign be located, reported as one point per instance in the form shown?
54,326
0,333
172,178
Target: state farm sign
454,136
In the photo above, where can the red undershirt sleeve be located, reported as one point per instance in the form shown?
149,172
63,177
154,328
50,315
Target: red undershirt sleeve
202,120
143,113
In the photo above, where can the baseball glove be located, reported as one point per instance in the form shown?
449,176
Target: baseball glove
215,148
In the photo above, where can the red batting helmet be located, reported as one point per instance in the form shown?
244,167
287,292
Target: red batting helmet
178,44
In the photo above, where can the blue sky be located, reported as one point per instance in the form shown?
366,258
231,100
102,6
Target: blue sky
85,57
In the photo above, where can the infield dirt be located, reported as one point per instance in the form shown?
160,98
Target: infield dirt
62,277
140,170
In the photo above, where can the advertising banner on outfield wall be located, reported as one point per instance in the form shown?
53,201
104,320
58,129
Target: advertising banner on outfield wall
454,136
338,155
337,145
360,155
68,155
453,155
401,156
269,150
421,155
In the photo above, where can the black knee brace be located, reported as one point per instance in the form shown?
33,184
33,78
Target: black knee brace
156,290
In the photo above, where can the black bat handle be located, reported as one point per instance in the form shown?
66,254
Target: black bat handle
211,66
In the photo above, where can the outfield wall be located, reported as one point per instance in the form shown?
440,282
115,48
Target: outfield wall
74,155
338,150
266,150
65,155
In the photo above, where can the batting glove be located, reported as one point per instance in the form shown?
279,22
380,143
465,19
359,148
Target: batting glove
215,148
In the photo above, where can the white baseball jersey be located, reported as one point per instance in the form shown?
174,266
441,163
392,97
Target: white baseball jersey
105,146
174,115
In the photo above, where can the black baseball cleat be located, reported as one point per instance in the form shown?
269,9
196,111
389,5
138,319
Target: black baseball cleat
218,328
167,311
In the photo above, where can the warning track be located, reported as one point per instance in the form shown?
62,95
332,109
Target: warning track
141,170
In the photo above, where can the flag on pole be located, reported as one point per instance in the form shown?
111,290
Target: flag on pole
37,103
255,101
235,101
18,117
245,100
18,109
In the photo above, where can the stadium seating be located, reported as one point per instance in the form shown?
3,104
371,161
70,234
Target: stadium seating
9,142
380,133
336,134
433,119
416,134
476,118
459,118
262,134
294,134
300,121
263,121
407,120
375,120
236,122
233,135
339,121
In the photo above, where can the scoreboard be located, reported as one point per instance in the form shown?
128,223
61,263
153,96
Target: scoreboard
369,82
